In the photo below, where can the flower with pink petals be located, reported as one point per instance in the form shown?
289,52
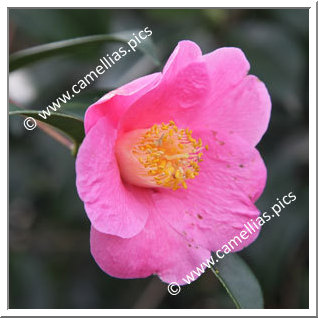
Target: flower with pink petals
168,170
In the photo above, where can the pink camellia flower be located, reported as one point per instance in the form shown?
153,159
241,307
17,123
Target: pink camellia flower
168,170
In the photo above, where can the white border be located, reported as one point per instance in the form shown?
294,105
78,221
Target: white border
312,159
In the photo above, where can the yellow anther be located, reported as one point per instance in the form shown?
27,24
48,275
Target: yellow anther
162,164
189,174
170,155
178,174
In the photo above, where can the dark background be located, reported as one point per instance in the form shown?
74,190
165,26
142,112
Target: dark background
50,262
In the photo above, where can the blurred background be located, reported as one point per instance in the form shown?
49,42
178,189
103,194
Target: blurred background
50,265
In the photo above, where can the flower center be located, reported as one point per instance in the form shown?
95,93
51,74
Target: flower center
167,156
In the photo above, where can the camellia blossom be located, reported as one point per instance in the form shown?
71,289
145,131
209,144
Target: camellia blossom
168,169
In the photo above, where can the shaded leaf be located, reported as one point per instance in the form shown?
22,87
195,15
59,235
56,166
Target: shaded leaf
36,53
239,282
74,109
70,125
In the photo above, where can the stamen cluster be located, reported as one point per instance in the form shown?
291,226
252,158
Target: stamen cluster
170,155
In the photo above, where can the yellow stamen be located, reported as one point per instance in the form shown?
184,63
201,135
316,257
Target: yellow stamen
170,155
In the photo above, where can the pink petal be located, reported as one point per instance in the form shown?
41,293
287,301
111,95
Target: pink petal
176,97
227,66
243,109
112,206
214,90
185,53
183,85
157,249
219,201
116,102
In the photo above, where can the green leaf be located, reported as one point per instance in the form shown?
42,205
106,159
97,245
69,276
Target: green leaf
239,282
36,53
69,125
75,109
